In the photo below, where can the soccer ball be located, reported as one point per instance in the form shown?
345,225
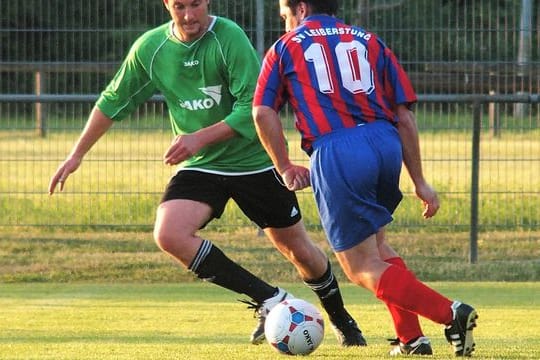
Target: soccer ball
294,327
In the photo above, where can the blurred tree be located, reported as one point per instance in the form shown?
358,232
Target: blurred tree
419,31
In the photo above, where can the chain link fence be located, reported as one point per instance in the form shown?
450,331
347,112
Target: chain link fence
474,64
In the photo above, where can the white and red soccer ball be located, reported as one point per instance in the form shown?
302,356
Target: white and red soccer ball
294,327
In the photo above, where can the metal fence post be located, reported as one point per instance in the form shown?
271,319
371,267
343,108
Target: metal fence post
494,117
260,28
475,166
41,126
524,53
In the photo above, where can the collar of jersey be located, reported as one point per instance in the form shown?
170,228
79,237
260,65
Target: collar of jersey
321,18
191,43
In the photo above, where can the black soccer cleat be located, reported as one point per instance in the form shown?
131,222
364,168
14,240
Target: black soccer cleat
420,346
347,331
459,332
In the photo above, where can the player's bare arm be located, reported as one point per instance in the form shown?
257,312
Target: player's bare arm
270,131
97,125
186,145
408,133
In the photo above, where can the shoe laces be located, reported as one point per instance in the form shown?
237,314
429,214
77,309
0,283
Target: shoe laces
417,342
257,307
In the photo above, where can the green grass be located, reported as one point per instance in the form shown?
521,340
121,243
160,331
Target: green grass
33,256
114,295
202,321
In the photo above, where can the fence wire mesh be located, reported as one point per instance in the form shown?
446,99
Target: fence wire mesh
70,50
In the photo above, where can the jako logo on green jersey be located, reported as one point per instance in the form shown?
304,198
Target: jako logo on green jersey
214,98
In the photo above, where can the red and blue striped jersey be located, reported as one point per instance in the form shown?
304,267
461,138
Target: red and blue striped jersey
334,76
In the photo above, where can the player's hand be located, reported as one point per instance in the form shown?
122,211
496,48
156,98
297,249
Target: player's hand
62,173
296,177
182,148
429,198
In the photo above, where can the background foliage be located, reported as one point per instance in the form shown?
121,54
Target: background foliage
419,31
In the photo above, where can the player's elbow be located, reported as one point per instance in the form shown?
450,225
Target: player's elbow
406,117
265,118
261,112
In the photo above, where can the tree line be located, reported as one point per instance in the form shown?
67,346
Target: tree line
419,31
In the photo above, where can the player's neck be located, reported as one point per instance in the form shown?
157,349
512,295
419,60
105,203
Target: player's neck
180,36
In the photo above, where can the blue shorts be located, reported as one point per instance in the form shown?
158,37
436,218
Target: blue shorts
355,178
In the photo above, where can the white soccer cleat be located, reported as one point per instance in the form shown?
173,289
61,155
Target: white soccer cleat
262,310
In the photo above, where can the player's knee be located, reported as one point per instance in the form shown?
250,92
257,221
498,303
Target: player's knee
308,255
358,278
165,240
364,276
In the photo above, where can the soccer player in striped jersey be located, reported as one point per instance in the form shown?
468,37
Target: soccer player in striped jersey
352,102
206,69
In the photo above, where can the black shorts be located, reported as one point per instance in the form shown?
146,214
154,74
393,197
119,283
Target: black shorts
262,197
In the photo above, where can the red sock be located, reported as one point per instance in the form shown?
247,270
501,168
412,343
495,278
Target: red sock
406,323
400,287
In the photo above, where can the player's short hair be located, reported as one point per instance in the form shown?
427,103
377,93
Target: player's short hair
329,7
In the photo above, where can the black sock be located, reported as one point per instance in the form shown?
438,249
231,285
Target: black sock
327,289
211,264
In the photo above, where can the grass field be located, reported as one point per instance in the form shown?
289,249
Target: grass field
30,255
68,294
113,295
202,321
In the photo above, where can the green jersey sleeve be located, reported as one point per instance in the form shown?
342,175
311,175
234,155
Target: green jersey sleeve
129,88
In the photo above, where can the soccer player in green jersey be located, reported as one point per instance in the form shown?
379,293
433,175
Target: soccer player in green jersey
206,69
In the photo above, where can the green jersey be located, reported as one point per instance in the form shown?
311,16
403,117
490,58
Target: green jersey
204,81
